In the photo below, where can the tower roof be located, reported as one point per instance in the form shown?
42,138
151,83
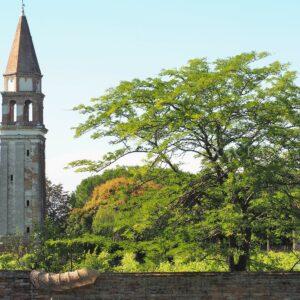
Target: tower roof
22,59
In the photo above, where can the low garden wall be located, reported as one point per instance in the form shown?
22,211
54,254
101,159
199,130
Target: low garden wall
175,286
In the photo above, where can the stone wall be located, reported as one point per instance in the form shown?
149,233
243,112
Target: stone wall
16,285
22,184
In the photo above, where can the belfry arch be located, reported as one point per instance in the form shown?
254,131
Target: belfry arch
28,111
12,111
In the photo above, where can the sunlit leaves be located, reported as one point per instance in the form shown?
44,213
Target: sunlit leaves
238,116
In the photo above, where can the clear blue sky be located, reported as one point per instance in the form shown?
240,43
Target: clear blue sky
85,47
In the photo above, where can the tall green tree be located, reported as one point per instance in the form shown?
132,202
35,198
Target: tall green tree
239,118
58,206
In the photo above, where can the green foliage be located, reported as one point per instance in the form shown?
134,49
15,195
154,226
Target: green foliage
128,264
127,208
95,261
58,205
9,262
239,118
200,108
275,261
210,264
85,189
169,254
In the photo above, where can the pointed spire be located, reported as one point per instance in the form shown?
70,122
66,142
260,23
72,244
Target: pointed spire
23,8
22,59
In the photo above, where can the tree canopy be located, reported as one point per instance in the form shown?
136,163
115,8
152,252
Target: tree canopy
200,108
239,118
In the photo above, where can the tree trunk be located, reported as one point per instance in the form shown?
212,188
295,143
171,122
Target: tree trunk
295,241
268,244
241,265
243,260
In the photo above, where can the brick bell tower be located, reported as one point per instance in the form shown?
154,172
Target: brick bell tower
22,139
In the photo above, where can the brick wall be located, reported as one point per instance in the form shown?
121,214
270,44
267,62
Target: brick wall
16,285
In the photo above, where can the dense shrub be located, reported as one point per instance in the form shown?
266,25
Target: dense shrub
111,202
85,189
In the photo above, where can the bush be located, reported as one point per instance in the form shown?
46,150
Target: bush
129,264
95,261
275,261
10,262
85,189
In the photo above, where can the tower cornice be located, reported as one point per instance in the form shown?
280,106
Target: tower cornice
22,131
20,74
22,94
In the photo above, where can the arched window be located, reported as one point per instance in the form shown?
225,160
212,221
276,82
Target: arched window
13,111
28,113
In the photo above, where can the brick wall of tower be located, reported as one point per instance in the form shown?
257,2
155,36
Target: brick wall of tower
21,183
34,182
3,187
